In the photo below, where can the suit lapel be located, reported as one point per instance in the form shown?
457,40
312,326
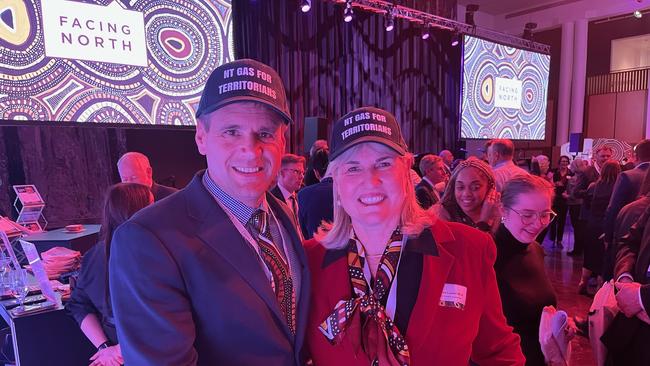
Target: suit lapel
296,246
219,233
437,263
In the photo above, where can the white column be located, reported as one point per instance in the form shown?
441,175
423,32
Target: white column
579,75
647,111
564,93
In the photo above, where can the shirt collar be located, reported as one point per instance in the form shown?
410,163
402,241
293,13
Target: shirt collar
503,163
240,210
428,181
285,193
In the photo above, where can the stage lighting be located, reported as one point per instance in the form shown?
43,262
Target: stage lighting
528,31
305,5
469,13
455,39
425,32
638,14
347,13
390,22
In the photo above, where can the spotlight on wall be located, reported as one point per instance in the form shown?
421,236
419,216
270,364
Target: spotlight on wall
390,21
455,39
528,31
305,5
426,33
638,14
347,13
469,13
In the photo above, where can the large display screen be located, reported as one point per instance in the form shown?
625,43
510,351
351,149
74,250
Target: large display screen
140,62
504,91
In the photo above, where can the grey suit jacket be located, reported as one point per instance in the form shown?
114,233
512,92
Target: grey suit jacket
187,289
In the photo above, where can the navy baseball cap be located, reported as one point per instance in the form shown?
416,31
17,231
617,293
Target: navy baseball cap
244,80
366,124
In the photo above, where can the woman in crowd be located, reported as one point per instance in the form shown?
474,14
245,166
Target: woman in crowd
391,285
470,197
597,199
560,205
525,289
90,300
574,203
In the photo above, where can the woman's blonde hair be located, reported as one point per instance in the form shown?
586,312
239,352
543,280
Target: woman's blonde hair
413,218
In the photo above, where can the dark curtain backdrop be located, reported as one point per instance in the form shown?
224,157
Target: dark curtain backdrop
330,67
73,166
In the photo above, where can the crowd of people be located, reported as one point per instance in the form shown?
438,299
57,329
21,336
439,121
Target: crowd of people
350,256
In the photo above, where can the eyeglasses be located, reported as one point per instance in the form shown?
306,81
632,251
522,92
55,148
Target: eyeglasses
529,218
296,171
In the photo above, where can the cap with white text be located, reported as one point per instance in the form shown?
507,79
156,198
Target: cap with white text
244,80
366,124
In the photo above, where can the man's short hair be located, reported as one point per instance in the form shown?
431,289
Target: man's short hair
134,157
427,162
292,159
642,150
603,148
504,147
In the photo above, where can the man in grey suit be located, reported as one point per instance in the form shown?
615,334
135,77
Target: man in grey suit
626,190
215,274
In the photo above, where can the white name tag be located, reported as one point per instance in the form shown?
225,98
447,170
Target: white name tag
453,296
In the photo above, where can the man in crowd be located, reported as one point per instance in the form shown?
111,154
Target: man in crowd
626,190
134,167
628,335
292,170
433,173
216,273
499,154
316,202
448,159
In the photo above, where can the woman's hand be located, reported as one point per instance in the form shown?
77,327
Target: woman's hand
109,356
490,203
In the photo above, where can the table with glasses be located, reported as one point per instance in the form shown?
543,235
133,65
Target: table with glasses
47,336
80,241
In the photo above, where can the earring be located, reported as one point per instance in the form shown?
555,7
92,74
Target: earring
503,219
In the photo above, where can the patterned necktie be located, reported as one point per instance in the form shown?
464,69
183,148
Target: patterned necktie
281,283
371,304
294,207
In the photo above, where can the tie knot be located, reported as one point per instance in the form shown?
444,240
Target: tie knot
258,220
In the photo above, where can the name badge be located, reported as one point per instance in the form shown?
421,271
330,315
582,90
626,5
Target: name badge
453,296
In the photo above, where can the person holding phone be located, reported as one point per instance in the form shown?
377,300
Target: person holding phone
471,197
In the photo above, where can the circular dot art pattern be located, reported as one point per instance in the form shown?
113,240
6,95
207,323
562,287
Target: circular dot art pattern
186,40
481,119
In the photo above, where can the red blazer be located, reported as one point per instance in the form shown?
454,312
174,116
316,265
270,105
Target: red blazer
449,253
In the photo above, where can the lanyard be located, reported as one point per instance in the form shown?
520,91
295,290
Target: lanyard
253,243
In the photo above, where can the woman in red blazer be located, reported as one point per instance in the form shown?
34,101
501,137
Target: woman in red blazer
391,285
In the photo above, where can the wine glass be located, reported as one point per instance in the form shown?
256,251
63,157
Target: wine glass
20,285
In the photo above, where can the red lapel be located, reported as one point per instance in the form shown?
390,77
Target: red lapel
434,275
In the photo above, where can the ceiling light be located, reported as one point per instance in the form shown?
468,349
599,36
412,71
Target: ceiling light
425,32
390,22
347,13
305,5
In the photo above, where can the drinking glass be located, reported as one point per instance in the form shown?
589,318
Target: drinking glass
20,285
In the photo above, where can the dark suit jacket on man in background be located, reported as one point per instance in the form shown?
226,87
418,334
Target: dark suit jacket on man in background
278,194
626,190
315,204
426,194
159,191
187,289
627,339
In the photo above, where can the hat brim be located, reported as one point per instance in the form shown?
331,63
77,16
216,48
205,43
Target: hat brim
246,98
380,140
